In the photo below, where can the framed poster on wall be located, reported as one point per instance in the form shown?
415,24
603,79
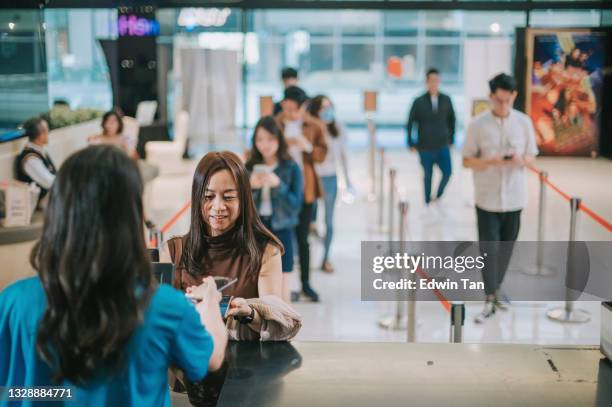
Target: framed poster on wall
564,89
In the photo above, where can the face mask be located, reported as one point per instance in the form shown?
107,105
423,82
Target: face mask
327,115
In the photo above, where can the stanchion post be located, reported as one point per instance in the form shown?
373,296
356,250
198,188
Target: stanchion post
381,190
568,313
457,319
372,157
392,174
411,301
540,269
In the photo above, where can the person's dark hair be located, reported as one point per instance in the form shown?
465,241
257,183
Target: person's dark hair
269,124
31,127
61,102
296,94
93,264
289,73
110,114
502,81
249,235
314,108
432,71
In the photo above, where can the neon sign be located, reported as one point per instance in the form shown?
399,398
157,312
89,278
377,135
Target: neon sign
132,25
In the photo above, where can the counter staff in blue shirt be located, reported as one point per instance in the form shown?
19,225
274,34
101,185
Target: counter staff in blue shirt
94,319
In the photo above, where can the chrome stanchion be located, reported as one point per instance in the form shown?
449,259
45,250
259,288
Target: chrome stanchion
411,300
539,269
372,157
381,191
568,313
392,174
397,320
457,319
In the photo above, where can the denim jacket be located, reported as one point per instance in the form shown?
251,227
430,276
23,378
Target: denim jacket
287,197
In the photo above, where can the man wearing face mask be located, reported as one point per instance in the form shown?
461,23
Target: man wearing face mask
305,136
433,115
499,144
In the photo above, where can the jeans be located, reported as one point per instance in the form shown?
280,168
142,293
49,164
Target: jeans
495,227
286,238
301,235
442,159
330,188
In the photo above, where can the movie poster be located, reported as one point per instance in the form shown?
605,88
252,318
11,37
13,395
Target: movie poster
564,89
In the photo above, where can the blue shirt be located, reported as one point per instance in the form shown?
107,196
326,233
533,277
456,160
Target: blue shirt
171,334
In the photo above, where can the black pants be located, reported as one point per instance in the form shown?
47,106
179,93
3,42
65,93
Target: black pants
301,234
493,228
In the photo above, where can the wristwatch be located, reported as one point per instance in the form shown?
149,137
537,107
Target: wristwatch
247,319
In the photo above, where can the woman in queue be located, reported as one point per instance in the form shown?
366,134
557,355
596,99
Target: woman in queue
94,321
322,108
227,239
277,185
112,133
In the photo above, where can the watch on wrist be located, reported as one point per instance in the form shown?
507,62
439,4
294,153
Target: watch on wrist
247,319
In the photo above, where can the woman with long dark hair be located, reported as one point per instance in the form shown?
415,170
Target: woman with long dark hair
112,133
322,108
227,239
94,318
277,185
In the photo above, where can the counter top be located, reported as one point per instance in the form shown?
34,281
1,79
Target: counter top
18,234
400,374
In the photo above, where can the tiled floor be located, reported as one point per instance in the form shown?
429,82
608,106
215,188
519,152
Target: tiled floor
342,316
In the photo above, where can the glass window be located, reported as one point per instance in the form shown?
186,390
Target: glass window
78,72
445,58
357,56
23,68
442,23
565,18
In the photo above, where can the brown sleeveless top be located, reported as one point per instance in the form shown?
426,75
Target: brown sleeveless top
222,260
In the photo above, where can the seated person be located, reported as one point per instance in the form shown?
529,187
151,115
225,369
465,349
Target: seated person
33,164
226,238
112,133
94,318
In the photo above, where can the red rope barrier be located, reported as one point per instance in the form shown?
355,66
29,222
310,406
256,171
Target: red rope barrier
445,304
589,212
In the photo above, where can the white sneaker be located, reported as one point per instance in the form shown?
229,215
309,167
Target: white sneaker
487,312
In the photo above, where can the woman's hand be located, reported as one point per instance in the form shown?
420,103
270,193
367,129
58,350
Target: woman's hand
239,308
207,291
272,180
256,181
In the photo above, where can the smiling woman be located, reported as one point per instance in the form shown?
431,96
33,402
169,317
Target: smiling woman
226,238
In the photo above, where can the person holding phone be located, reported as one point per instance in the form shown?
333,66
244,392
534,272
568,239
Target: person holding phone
226,238
277,186
500,143
94,319
305,137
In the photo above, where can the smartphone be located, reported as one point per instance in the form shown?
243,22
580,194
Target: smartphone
222,284
508,156
224,305
261,168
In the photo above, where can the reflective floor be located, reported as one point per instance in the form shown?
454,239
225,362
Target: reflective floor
342,316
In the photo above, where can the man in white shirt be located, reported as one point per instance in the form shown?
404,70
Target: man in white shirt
33,164
499,144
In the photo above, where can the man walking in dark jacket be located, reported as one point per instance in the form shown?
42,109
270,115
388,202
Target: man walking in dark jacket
434,117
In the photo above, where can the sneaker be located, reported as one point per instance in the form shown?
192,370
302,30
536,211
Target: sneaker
294,296
501,305
327,267
310,293
487,312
